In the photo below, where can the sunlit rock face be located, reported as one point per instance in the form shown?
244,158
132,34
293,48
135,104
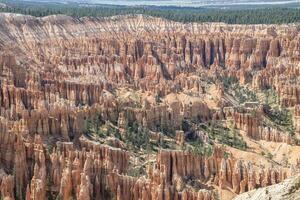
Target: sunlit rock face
57,72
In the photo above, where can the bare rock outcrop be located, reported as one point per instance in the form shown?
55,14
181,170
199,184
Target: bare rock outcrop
57,74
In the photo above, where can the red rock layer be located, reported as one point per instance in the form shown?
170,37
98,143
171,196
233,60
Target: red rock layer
236,175
57,72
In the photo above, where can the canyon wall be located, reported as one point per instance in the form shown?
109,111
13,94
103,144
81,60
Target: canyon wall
57,72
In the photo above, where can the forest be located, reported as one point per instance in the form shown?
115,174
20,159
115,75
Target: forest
274,15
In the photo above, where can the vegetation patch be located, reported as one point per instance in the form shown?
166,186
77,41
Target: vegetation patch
271,97
181,14
198,147
136,171
136,136
241,93
224,135
280,118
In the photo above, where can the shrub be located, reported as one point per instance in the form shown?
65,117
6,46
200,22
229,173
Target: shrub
200,148
282,119
157,98
269,156
225,136
137,136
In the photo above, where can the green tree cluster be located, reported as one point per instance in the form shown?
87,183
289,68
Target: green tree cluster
274,15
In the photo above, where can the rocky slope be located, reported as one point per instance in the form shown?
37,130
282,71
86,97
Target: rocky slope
287,190
136,107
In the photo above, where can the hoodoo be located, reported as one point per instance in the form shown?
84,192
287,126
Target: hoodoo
137,107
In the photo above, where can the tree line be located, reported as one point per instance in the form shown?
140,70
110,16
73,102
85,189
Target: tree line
185,15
